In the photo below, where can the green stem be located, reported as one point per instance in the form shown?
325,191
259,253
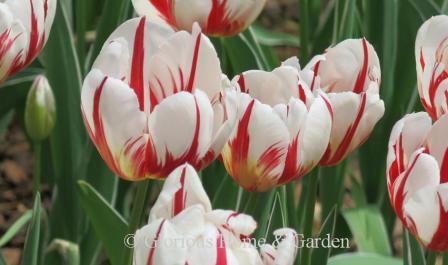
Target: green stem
308,217
445,259
37,166
239,198
137,213
431,258
304,30
284,205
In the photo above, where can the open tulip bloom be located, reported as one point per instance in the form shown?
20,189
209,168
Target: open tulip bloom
183,229
282,129
24,29
216,17
417,177
432,65
350,75
154,100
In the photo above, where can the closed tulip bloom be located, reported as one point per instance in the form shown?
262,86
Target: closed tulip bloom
183,222
216,17
154,100
432,65
282,129
24,29
417,177
350,75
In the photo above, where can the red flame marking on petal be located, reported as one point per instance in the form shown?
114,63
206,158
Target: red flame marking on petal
137,83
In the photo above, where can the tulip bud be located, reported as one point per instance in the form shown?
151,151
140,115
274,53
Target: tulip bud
40,109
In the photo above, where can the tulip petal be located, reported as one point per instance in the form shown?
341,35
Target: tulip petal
195,66
437,145
182,189
240,225
255,153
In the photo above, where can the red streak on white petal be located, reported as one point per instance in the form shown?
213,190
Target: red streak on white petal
242,83
422,60
439,241
166,10
444,168
194,64
221,252
292,170
343,147
180,196
316,73
137,83
220,22
302,95
360,81
154,243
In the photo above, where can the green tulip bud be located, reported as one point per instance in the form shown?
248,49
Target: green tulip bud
40,109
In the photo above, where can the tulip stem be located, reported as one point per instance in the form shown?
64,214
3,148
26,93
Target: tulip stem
239,198
445,259
138,210
431,258
37,150
308,213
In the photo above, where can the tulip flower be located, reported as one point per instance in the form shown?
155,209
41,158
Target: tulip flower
350,75
40,110
154,100
24,29
216,17
183,229
431,61
417,177
282,130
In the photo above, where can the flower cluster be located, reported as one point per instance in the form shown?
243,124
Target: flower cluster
157,105
417,162
24,29
182,221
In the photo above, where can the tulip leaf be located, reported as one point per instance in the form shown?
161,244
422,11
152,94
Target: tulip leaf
425,8
31,248
68,138
241,55
114,13
413,253
369,230
16,227
273,38
109,225
319,256
364,259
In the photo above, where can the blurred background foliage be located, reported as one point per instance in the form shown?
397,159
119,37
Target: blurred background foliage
82,217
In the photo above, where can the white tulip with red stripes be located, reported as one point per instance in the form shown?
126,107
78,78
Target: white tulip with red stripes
154,100
24,29
282,130
216,17
432,65
350,75
417,177
183,229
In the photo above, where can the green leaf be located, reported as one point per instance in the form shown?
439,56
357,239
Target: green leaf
413,252
68,138
357,193
319,256
2,259
331,187
347,20
425,8
16,227
114,13
68,250
109,226
5,121
368,228
31,249
13,92
242,55
274,38
308,213
364,259
304,30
